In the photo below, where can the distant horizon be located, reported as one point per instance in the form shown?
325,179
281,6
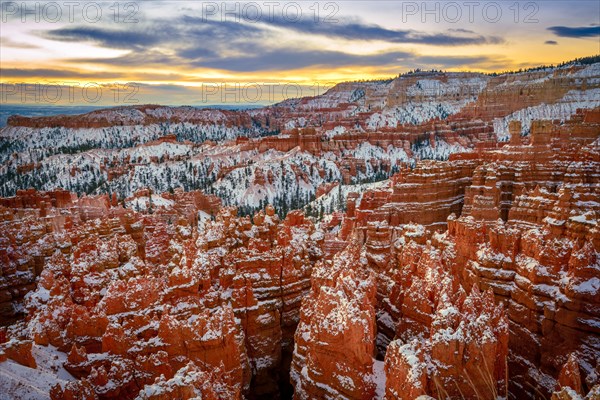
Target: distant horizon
25,91
212,106
47,110
174,50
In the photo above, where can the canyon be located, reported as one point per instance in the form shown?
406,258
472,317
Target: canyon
435,235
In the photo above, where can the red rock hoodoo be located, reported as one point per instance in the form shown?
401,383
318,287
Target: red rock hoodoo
431,236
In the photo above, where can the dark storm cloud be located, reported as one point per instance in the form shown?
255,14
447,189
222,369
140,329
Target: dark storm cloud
177,32
178,42
292,59
355,30
189,41
111,38
201,28
253,57
135,59
576,32
215,35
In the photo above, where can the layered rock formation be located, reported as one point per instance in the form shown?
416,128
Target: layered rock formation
354,133
333,356
135,300
428,193
446,343
437,340
463,355
36,225
528,233
472,275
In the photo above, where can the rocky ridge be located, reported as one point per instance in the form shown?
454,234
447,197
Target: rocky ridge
527,233
355,133
475,276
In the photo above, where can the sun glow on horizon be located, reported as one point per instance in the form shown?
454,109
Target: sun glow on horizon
175,47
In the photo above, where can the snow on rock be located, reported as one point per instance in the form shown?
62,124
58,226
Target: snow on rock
338,130
129,295
561,110
333,356
147,202
187,299
19,382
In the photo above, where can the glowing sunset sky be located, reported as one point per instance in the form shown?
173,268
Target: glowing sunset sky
176,49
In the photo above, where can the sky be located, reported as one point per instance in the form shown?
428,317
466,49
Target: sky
256,53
